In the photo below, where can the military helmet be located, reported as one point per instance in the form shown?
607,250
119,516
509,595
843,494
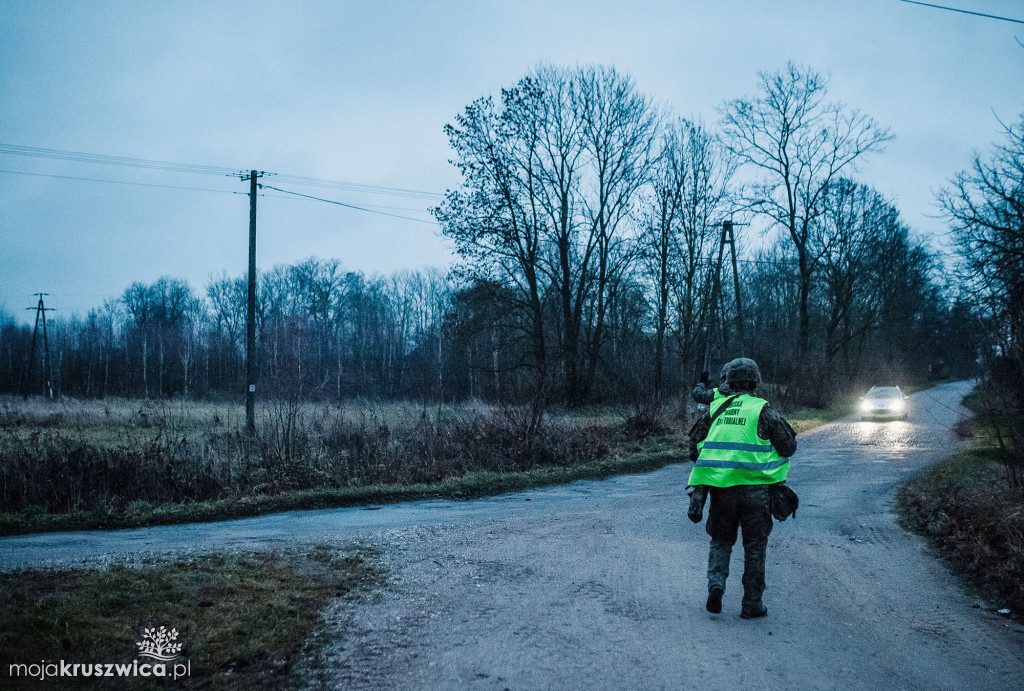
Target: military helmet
723,387
742,369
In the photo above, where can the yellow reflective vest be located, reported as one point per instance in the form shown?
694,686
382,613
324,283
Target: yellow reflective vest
733,454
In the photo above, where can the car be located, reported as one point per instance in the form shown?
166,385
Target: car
884,402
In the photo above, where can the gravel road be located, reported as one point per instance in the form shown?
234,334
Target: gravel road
601,584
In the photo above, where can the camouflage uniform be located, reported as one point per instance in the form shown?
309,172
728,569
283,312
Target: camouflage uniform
743,506
748,506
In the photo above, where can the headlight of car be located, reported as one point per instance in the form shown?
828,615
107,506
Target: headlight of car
865,405
898,404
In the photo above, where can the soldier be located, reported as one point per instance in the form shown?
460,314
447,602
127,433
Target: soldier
740,448
704,395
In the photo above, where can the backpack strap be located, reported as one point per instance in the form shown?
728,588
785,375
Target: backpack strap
721,409
693,430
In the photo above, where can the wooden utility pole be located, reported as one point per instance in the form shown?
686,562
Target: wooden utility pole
716,280
250,325
728,238
41,311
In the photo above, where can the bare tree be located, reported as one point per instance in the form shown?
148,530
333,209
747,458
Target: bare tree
689,190
496,219
194,316
227,307
137,301
986,208
870,267
550,180
855,223
798,143
620,126
158,310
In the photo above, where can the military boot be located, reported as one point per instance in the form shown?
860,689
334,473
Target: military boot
714,604
753,612
752,607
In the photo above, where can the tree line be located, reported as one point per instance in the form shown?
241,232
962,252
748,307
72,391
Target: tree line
323,332
985,207
590,268
598,217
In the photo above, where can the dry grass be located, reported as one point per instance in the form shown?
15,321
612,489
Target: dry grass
108,418
58,469
125,463
804,419
242,618
88,464
971,506
966,507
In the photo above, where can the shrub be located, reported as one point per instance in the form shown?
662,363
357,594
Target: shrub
60,471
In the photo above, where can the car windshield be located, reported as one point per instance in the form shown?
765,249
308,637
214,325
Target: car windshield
885,392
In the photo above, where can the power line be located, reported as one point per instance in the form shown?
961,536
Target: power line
105,159
179,187
348,206
125,161
117,182
358,187
366,206
954,9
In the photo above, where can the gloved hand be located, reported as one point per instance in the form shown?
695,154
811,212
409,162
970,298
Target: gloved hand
698,495
696,512
705,377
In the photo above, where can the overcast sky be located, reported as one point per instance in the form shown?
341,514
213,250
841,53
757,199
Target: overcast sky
360,92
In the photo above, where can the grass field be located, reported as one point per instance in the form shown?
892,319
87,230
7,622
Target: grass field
243,619
108,420
76,465
123,463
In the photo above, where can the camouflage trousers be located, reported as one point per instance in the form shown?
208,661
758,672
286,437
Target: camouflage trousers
746,507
